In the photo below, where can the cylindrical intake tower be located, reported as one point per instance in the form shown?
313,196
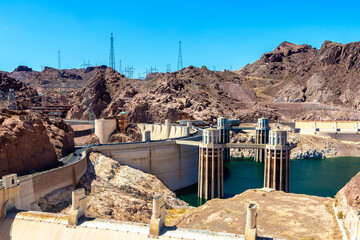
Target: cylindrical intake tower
210,184
277,162
261,137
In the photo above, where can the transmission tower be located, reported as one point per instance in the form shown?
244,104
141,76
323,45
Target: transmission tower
112,54
180,61
42,67
230,68
120,70
168,68
11,100
214,68
59,62
85,65
129,71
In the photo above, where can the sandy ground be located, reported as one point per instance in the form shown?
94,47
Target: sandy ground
280,215
79,141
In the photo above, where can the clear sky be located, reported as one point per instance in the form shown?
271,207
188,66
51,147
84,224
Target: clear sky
146,33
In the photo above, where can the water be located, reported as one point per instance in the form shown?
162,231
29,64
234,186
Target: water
319,177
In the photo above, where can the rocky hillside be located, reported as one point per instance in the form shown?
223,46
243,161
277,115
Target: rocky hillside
31,142
301,73
53,77
193,93
114,191
24,95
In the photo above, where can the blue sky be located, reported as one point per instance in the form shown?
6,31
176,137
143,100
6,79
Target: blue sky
146,33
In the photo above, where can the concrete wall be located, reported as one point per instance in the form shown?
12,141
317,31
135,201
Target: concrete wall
104,128
31,188
314,127
175,165
164,131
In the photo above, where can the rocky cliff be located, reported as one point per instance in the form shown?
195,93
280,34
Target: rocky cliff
114,191
301,73
31,142
24,95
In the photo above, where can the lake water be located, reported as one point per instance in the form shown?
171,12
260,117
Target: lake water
320,177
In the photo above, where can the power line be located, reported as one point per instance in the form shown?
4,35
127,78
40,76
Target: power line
112,54
180,61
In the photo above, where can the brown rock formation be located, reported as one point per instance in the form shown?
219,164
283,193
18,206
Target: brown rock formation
114,191
348,203
32,143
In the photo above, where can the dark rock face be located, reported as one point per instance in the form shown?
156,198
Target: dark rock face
22,68
31,144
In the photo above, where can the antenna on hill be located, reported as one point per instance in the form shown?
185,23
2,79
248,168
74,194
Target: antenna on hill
59,62
112,54
180,61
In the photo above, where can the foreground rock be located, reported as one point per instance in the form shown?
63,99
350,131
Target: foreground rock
348,205
280,215
32,142
114,191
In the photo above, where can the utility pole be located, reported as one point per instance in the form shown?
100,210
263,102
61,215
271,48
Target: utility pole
180,61
59,61
112,54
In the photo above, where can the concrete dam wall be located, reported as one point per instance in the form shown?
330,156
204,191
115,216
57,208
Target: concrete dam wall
315,127
164,131
175,165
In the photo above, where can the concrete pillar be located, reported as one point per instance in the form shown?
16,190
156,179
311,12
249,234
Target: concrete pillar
261,137
167,128
9,194
78,208
277,162
146,136
104,128
210,178
222,125
158,216
250,228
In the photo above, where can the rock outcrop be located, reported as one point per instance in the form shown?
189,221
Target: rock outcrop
31,142
114,191
348,204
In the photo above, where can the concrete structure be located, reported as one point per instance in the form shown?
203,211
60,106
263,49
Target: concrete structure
316,127
222,125
10,197
78,207
261,137
250,228
165,131
210,177
122,121
104,128
277,162
174,164
157,221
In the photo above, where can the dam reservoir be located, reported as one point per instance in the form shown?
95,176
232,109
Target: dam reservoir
319,177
